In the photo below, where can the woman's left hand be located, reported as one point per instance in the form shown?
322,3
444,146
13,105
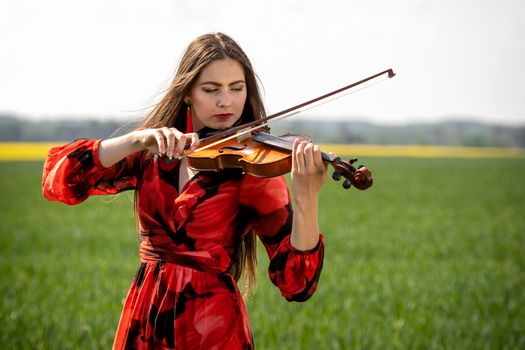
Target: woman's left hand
308,173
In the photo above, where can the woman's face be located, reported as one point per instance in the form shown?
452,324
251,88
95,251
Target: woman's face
218,95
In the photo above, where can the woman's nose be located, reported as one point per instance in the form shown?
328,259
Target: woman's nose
225,100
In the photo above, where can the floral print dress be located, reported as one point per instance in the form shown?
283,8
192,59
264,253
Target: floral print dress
183,295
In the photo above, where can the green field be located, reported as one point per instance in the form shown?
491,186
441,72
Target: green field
431,257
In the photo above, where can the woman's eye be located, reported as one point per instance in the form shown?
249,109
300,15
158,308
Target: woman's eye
209,90
238,88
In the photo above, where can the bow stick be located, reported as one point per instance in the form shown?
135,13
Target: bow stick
260,123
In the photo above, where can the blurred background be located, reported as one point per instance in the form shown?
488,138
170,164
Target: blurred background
430,257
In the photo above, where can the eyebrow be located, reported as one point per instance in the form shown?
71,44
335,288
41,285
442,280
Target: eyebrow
219,84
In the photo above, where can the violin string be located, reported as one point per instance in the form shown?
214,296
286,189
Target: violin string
364,85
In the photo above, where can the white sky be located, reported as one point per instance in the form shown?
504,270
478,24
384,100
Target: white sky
111,58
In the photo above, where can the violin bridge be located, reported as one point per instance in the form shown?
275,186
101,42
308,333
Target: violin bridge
243,134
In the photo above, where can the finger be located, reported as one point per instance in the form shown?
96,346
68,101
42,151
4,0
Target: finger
170,141
181,144
194,140
159,137
318,159
294,156
298,155
309,158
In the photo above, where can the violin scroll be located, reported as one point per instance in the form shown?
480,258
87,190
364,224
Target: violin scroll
360,178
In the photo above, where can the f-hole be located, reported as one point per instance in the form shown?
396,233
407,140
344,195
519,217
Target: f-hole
232,148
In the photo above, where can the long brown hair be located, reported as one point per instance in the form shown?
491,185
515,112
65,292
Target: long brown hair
171,112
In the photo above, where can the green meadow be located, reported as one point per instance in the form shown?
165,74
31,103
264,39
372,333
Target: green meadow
430,257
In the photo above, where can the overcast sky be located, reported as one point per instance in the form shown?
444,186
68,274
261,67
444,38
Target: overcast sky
112,58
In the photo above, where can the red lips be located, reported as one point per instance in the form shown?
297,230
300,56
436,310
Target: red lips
224,115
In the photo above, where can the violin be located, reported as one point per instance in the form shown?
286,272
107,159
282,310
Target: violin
264,155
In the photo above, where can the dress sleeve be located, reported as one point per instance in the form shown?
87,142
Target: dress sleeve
73,172
295,272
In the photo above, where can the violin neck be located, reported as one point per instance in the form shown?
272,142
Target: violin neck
330,158
286,144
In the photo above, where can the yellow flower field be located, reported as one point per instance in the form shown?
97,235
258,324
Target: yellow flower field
12,151
25,151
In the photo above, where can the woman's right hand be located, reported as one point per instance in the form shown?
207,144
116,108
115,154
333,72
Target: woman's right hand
166,141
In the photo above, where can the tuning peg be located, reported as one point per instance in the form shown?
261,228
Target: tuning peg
347,184
336,176
352,160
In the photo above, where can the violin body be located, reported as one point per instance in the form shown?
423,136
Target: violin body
247,155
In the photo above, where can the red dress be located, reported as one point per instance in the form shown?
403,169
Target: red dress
182,296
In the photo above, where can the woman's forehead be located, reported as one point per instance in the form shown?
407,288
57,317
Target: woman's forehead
223,71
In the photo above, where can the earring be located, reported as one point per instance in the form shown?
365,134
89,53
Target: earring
189,120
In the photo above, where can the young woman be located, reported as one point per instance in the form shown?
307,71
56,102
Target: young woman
198,229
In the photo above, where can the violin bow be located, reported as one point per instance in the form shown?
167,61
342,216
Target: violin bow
260,123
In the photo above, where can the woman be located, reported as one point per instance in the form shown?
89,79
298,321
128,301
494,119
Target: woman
197,229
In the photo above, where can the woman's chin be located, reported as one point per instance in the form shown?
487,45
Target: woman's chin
221,124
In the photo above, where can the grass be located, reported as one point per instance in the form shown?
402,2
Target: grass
430,257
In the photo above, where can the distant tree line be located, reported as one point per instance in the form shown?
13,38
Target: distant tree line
451,133
21,129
